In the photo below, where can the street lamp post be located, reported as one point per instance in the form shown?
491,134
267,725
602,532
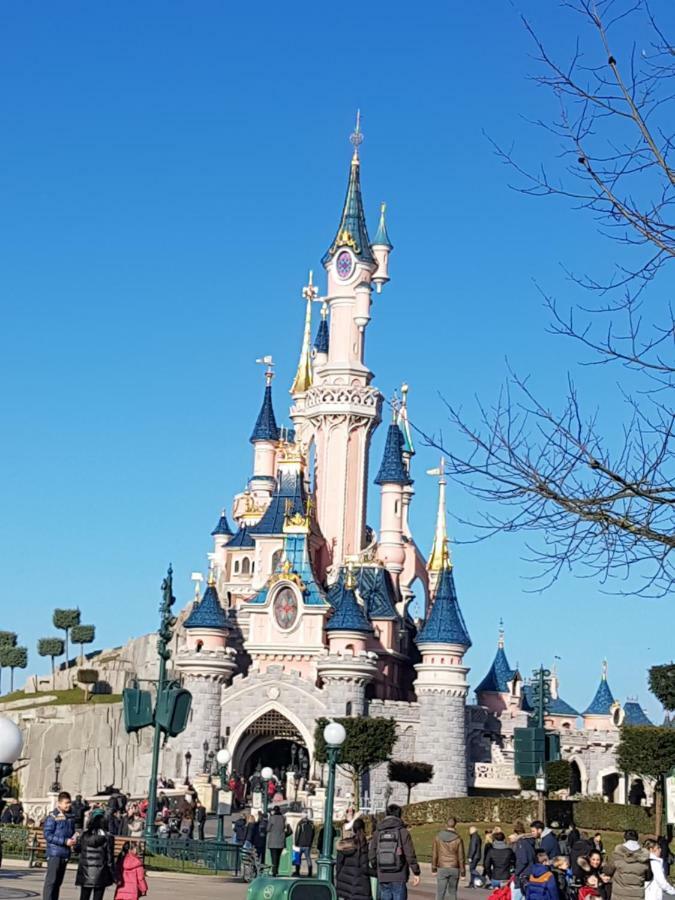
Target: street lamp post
541,785
188,760
212,756
56,787
334,735
223,758
165,634
11,742
205,763
267,775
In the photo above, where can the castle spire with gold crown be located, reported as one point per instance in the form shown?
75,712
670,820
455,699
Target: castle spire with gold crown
439,558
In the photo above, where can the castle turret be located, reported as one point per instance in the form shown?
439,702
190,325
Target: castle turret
321,341
441,689
501,687
381,248
264,438
222,533
603,713
346,667
392,478
205,663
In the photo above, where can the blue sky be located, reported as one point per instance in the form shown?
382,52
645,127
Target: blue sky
168,172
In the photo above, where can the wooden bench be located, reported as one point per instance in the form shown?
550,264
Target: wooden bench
38,846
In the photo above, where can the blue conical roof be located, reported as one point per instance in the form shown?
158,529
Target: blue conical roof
352,231
287,500
223,526
348,613
392,469
207,613
266,428
635,714
321,340
445,624
381,236
601,704
498,676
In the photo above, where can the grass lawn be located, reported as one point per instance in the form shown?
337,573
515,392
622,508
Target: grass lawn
423,836
74,696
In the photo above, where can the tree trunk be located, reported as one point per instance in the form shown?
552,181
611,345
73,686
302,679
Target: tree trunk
66,630
53,674
410,787
658,806
356,790
11,679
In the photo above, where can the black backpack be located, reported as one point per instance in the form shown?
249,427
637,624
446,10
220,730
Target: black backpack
390,856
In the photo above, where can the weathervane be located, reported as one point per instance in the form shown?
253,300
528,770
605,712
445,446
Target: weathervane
356,137
310,290
269,371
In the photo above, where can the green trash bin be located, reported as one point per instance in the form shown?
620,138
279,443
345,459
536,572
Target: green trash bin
268,888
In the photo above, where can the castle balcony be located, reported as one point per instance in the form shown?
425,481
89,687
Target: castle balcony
493,776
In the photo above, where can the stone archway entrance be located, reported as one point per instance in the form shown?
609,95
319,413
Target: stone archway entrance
270,740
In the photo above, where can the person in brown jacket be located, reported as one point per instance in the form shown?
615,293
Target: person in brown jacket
629,868
448,861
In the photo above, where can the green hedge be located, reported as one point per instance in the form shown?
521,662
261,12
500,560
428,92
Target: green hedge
471,809
588,814
593,814
14,840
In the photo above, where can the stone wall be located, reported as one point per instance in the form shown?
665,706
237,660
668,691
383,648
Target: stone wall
441,740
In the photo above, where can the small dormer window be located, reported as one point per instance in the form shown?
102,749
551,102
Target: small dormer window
245,566
236,567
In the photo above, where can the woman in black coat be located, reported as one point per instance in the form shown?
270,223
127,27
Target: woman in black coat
352,880
96,865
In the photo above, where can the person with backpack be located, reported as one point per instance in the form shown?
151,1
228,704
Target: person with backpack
541,883
448,862
392,856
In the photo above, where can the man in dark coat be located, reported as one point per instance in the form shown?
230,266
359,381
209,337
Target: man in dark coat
78,810
303,840
200,819
474,854
392,856
59,831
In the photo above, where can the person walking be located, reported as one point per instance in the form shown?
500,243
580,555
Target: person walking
200,819
303,840
352,870
659,885
130,874
261,836
500,860
629,868
96,864
448,861
391,856
474,854
59,832
277,832
251,833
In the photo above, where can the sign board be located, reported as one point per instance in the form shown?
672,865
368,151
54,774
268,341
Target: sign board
224,803
670,797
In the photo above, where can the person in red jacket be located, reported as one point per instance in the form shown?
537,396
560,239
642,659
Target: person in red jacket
130,874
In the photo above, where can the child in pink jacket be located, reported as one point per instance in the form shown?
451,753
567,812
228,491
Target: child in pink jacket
130,874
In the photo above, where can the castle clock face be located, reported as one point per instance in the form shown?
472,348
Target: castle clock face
344,264
285,608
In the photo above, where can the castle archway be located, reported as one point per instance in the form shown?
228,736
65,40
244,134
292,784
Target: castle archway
271,736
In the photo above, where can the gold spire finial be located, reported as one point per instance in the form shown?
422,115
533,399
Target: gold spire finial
350,578
212,575
500,640
303,376
439,558
356,137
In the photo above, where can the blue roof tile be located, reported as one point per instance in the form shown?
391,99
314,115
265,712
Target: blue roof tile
392,469
266,428
296,551
289,487
635,714
242,538
207,613
377,591
223,526
601,704
500,673
381,236
445,624
348,614
352,231
556,706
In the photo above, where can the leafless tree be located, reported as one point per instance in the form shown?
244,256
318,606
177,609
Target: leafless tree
546,467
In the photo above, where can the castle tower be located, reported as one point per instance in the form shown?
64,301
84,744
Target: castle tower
322,340
346,667
205,663
604,713
392,478
441,689
439,558
408,453
265,437
341,406
502,686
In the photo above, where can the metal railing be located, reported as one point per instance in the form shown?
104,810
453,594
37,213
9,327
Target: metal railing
193,856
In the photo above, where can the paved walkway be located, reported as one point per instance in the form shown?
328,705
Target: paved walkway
18,882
